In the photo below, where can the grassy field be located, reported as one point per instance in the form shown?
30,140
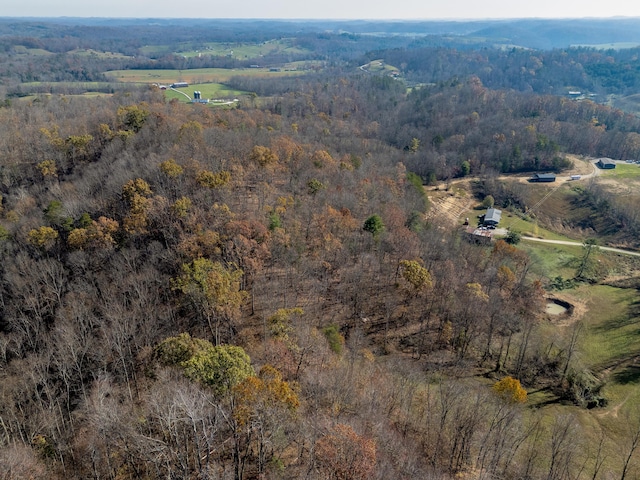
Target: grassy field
245,50
629,103
550,261
22,50
233,50
95,53
623,172
378,66
195,76
208,90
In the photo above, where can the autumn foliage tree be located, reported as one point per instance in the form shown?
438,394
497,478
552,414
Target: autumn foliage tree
214,289
219,368
342,454
262,407
510,390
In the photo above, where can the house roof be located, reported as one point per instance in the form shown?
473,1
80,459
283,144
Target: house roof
492,215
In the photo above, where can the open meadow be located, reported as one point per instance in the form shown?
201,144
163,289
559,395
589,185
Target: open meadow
200,75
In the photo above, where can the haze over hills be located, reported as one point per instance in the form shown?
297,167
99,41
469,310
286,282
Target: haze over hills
529,33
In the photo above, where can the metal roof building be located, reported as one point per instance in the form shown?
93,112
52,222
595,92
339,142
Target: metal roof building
543,177
606,163
492,217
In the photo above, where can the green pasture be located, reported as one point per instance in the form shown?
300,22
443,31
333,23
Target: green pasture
609,340
612,327
623,171
378,66
228,49
194,76
81,52
71,85
528,226
22,50
245,50
208,90
550,261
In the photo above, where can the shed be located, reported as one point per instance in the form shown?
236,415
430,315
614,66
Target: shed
479,235
543,177
606,163
492,217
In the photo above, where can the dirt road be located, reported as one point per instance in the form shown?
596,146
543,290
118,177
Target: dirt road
579,244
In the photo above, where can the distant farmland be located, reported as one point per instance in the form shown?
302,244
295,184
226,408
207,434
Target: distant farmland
200,75
209,90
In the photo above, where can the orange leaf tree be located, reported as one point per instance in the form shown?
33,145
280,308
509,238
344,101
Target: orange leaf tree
510,390
344,455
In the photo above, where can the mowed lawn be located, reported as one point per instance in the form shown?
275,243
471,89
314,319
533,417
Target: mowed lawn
623,171
195,76
208,90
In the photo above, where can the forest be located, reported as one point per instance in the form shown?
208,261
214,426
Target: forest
265,291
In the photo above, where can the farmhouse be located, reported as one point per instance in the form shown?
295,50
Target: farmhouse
543,177
492,217
606,163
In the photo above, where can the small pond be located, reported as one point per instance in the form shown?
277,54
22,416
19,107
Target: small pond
554,309
558,307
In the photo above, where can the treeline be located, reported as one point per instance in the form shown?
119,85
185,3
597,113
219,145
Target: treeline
431,59
541,71
458,127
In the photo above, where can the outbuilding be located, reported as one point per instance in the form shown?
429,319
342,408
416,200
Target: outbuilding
606,163
543,177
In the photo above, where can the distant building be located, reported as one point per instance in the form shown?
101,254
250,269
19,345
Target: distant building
606,163
179,85
197,98
543,177
492,217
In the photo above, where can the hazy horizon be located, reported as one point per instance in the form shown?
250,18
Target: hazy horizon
402,10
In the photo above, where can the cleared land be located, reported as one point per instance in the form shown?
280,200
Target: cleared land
195,76
208,90
607,314
231,50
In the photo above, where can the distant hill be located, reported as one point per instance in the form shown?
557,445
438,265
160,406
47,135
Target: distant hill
528,33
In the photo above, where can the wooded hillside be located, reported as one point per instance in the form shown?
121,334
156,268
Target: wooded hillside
256,292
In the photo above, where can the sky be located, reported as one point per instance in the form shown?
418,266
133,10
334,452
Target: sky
323,9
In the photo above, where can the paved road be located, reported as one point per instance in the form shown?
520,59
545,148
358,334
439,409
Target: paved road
579,244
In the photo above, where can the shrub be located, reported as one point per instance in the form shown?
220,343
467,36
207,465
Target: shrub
336,341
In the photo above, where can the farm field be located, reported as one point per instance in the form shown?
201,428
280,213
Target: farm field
208,91
195,76
623,171
243,50
227,49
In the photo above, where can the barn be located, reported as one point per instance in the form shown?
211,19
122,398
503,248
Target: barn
543,177
606,163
